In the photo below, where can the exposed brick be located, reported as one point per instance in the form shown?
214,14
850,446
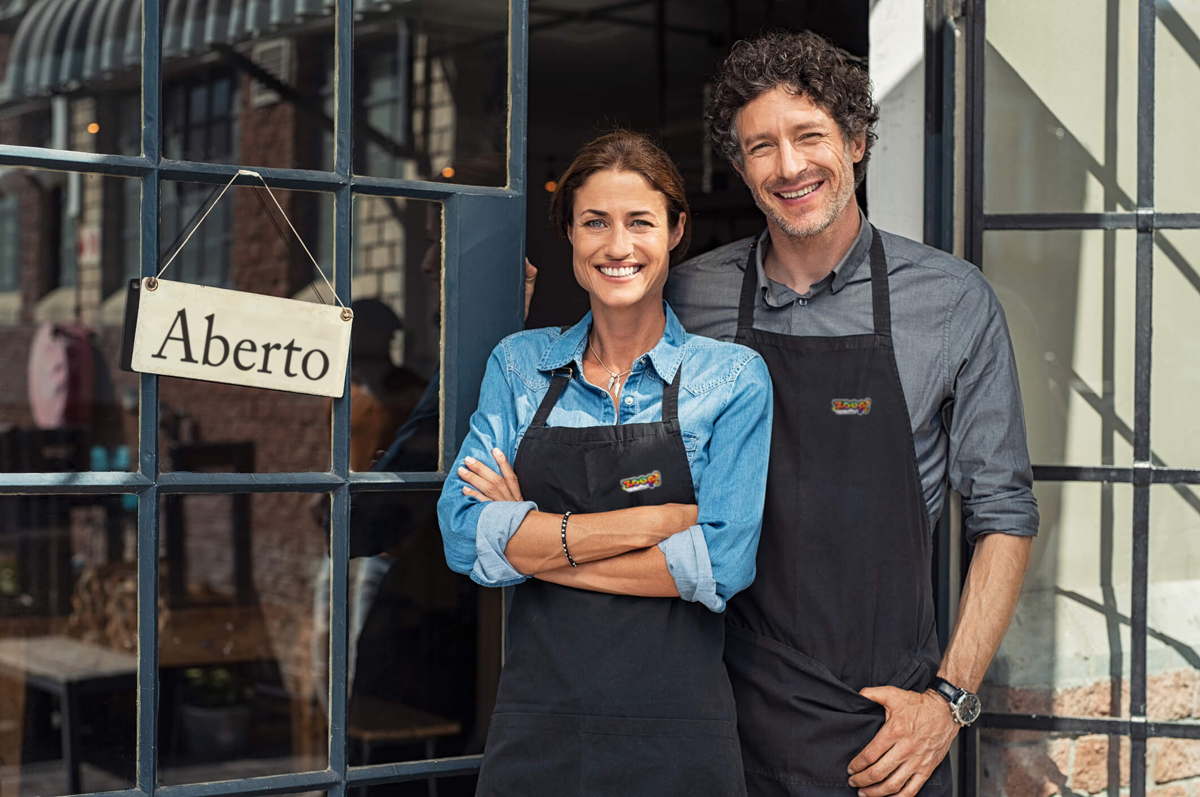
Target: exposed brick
1175,759
1029,771
1174,790
1089,771
1171,695
1091,700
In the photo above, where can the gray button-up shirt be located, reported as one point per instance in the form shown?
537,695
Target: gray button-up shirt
952,349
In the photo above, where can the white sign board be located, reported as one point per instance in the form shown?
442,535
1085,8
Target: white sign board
217,335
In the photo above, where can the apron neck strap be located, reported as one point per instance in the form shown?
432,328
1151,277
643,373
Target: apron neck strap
749,288
881,309
670,401
670,404
561,377
881,305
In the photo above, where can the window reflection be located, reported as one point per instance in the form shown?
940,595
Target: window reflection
66,250
68,630
236,628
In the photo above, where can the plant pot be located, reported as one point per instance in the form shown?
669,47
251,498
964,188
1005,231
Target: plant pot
214,733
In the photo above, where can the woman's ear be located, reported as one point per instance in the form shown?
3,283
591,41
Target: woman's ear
571,231
677,233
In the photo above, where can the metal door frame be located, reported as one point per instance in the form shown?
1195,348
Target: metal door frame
483,227
1147,470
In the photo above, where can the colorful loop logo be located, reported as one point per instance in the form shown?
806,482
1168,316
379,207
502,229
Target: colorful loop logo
647,482
851,406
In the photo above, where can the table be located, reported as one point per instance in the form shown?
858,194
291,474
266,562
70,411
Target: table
67,668
373,721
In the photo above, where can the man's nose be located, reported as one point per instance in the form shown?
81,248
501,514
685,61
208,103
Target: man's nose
792,162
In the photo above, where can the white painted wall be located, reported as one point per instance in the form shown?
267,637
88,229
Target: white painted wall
896,176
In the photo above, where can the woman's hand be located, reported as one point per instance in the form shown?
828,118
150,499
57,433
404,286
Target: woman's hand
486,484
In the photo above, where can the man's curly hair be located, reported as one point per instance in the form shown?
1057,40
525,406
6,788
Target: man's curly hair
805,64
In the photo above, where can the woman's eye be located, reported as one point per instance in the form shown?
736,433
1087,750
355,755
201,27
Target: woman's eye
593,223
642,222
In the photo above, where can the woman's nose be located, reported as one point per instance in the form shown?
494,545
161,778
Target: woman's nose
620,243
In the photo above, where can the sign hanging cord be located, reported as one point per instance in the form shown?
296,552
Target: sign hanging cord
251,173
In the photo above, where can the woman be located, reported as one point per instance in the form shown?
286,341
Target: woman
630,514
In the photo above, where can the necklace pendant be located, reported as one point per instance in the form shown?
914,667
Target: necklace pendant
611,380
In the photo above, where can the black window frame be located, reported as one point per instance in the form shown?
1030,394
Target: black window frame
482,226
1147,469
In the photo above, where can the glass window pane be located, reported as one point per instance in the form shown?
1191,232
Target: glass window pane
1175,373
1026,763
67,244
1172,659
1176,115
1061,106
241,650
1069,300
71,75
220,427
260,104
1067,651
424,641
396,346
68,643
432,91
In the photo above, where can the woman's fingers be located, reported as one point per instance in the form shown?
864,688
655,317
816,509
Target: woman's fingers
484,479
475,494
506,473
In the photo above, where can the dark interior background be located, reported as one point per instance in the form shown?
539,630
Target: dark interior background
594,67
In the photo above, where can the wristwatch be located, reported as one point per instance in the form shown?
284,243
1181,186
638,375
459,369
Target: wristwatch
964,706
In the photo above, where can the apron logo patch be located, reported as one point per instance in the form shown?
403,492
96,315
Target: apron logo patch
851,406
647,482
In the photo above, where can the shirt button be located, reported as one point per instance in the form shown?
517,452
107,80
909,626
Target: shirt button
803,302
629,401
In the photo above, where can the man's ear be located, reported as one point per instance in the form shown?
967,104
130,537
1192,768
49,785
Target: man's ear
677,233
858,148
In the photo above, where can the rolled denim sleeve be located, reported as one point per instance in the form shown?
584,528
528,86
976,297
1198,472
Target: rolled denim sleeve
714,560
988,454
475,533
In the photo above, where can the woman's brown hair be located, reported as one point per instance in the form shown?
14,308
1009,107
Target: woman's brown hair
627,151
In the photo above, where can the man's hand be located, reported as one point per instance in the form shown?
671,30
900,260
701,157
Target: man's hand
915,737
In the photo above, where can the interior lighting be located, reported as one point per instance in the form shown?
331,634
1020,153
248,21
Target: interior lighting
448,172
93,128
550,186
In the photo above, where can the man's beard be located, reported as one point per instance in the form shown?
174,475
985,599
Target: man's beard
834,206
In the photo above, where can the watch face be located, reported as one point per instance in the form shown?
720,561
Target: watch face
968,709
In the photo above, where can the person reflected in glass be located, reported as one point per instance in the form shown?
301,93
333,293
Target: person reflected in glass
615,473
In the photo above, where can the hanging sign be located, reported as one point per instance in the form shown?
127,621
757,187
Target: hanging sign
218,335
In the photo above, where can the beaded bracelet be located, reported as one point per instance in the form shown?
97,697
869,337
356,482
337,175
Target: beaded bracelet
564,540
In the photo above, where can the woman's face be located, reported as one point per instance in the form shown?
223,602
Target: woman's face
622,239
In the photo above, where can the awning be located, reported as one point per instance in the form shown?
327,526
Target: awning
61,44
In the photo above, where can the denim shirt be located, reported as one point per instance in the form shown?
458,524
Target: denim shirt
725,417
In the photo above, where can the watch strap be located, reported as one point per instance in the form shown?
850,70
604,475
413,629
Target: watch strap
945,689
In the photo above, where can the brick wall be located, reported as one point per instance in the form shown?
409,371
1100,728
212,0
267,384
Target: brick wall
1029,764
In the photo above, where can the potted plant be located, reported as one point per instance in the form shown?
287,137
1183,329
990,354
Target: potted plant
214,714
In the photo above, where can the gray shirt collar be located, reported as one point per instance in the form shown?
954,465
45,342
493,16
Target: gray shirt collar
777,294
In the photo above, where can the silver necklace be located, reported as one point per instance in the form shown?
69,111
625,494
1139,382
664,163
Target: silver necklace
613,376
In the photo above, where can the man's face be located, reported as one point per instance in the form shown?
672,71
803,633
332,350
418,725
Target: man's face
796,162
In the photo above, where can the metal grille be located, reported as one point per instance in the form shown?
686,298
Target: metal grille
1146,470
483,226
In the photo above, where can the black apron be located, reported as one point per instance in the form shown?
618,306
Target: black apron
609,695
843,597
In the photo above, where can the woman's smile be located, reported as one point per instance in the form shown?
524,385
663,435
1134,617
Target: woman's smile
620,272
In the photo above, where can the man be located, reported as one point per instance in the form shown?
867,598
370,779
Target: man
893,373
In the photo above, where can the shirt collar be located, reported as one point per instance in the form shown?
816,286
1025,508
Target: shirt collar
665,357
778,295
